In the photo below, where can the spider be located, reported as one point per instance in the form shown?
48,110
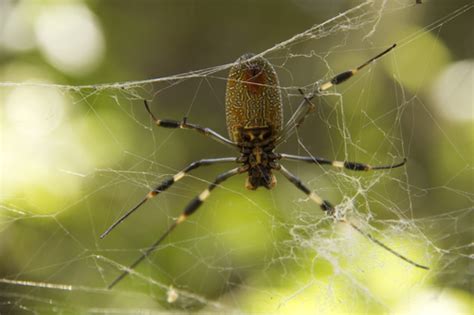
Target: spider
255,125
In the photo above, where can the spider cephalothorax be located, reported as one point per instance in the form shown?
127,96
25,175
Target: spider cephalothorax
258,157
255,124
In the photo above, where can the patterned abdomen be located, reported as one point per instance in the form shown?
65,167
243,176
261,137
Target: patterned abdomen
253,100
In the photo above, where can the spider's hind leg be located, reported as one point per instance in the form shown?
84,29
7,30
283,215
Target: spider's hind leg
167,123
346,75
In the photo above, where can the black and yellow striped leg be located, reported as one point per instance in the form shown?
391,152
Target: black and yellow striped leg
189,210
329,209
167,184
306,106
166,123
323,204
353,166
298,118
346,75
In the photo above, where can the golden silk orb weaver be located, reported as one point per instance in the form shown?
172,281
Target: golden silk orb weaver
254,118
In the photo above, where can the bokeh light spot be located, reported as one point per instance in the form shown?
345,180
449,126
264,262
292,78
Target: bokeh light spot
17,33
452,92
70,38
437,302
34,111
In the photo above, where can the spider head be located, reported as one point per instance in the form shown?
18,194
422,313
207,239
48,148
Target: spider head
260,176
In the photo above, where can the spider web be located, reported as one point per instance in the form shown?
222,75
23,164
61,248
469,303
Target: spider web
247,252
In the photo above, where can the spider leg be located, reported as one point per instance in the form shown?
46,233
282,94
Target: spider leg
167,184
353,166
166,123
297,119
323,204
376,241
344,76
306,106
189,210
329,209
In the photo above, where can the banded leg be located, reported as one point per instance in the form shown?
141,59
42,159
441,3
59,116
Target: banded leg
310,107
329,209
189,210
323,204
298,118
306,107
166,123
353,166
167,184
344,76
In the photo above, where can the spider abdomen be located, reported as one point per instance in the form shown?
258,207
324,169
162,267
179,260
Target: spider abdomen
253,99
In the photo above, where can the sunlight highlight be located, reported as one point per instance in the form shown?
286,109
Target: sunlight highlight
437,302
70,38
452,92
34,111
16,34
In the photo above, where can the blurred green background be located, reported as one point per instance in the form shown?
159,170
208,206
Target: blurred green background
77,153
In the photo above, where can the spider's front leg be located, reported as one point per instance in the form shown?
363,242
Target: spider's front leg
167,184
325,205
189,210
330,210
